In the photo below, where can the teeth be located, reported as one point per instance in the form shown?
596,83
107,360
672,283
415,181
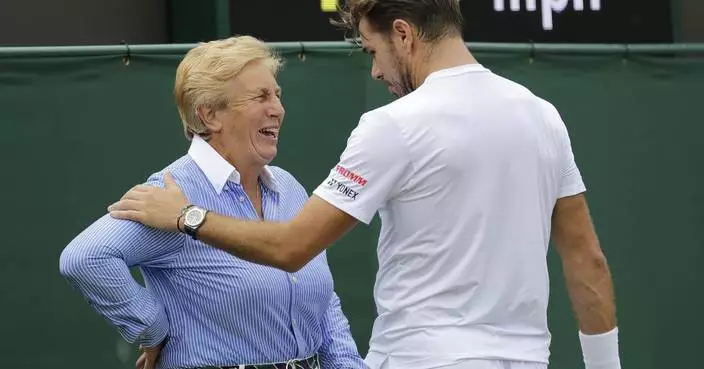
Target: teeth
268,131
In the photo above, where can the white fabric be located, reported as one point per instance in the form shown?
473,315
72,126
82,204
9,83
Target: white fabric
218,170
464,173
378,361
600,351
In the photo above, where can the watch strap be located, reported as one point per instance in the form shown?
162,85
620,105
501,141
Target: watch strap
178,220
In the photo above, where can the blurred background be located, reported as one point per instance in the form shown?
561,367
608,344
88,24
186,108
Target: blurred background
102,22
86,104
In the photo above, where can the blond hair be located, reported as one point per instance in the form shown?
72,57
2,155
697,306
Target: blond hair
202,74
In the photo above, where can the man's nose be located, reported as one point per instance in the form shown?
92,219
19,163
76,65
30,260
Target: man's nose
376,72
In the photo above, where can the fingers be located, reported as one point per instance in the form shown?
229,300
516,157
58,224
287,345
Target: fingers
133,195
127,204
141,361
127,215
150,363
138,192
151,356
171,184
147,360
169,180
140,188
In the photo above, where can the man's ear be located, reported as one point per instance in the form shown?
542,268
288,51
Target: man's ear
210,118
405,34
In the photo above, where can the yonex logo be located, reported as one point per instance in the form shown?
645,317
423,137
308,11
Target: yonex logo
547,7
341,188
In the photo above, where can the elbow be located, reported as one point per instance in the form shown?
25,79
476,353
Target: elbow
73,263
582,252
598,262
70,264
293,258
291,262
291,268
592,259
288,253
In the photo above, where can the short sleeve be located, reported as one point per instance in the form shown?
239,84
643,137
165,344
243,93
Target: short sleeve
371,169
569,176
571,180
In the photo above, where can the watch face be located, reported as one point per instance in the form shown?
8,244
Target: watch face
194,217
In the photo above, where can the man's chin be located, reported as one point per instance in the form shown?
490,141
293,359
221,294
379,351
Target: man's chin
396,91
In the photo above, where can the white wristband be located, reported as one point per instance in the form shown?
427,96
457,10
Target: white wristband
600,351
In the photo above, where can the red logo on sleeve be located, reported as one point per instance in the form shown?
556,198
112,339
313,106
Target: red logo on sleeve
351,175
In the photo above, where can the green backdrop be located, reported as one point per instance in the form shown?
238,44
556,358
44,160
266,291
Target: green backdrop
82,125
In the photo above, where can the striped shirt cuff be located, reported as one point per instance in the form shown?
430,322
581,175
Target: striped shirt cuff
155,333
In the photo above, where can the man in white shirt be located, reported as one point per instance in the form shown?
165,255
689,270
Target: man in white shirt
471,175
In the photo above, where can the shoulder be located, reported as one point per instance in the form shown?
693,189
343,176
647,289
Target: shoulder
518,93
396,112
381,134
376,126
184,171
107,230
552,118
547,109
405,113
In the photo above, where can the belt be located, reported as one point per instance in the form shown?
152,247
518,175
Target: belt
308,363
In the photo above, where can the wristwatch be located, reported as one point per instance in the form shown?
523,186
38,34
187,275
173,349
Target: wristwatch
193,218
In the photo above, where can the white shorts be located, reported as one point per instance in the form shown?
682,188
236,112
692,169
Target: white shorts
495,364
378,361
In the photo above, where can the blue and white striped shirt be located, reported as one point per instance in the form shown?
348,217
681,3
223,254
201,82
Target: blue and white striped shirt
215,309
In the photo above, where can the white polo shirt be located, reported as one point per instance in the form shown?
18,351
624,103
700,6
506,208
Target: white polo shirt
464,173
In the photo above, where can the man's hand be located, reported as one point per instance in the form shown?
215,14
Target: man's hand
149,357
152,206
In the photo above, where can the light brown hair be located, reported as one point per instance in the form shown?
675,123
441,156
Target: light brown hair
434,19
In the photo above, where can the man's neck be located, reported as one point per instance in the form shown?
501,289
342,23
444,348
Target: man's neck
447,53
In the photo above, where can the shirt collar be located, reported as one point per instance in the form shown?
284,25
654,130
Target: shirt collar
218,170
460,69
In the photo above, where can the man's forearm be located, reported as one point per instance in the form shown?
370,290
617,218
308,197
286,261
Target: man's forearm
588,282
265,243
591,291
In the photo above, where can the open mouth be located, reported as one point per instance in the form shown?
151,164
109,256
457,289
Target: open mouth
270,132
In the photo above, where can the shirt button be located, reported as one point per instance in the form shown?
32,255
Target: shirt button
241,198
294,322
293,278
